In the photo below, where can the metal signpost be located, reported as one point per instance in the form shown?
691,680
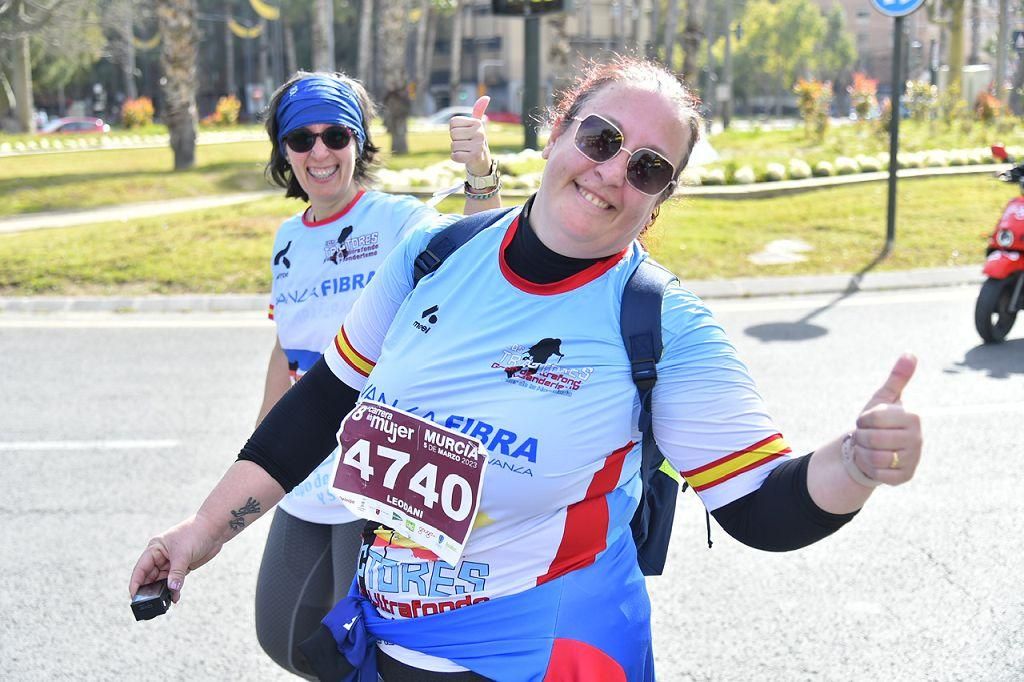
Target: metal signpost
896,9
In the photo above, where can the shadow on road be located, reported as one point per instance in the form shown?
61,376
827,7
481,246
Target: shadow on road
998,361
803,329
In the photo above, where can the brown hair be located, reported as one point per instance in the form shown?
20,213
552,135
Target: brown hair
279,171
634,71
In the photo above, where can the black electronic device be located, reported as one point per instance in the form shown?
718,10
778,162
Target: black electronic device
151,600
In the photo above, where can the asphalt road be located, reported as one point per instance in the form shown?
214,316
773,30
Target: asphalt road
113,427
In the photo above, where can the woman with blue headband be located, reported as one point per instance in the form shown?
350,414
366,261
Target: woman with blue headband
323,153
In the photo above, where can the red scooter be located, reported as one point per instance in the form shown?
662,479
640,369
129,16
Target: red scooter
1001,296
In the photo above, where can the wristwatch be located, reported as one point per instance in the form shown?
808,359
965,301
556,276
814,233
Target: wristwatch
846,454
479,182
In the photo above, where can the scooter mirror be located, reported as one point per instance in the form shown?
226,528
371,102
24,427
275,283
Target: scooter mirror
999,152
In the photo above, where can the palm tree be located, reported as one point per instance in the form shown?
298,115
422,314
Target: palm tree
365,41
393,33
323,35
671,26
692,35
455,70
179,47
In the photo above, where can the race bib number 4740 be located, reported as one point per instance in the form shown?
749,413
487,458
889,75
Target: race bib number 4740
419,478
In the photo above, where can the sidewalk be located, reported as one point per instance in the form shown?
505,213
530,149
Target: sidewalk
747,287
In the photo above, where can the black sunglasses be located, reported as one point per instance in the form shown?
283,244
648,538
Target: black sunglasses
600,140
302,140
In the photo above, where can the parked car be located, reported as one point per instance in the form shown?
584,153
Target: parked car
442,116
75,124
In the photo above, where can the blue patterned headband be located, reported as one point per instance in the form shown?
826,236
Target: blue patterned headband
319,99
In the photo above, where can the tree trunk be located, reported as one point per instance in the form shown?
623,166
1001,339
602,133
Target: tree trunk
455,69
956,47
178,62
24,104
263,61
652,40
586,18
323,35
291,61
395,86
975,32
230,85
559,48
422,68
128,62
1016,96
691,41
671,26
428,59
365,41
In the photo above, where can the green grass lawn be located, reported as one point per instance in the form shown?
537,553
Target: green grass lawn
941,221
76,180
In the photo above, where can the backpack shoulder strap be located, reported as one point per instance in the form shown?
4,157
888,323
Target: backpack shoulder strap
640,321
448,240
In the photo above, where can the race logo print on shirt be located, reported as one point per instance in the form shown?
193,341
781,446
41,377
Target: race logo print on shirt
348,248
538,367
427,476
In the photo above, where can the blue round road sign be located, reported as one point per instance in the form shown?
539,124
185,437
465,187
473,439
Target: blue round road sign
896,8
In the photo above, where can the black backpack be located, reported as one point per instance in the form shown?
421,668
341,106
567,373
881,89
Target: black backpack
641,335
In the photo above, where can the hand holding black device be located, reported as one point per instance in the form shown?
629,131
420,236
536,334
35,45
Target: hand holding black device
151,600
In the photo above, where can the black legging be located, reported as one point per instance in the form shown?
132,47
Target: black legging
306,569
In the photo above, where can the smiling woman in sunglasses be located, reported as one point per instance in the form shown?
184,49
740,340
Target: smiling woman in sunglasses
515,340
322,152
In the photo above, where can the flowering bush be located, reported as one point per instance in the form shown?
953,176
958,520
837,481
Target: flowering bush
136,113
225,113
921,99
814,98
863,95
987,107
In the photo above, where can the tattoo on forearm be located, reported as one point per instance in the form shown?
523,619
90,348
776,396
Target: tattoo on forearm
251,506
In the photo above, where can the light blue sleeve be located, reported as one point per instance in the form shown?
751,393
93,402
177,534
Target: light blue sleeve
710,421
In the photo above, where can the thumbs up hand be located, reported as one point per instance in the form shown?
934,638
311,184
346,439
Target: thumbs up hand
887,441
469,141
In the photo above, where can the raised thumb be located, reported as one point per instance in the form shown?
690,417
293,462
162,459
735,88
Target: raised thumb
481,106
899,376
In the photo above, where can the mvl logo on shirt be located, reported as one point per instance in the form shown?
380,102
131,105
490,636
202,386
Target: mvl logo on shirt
430,315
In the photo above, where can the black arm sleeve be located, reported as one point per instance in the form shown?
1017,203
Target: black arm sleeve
300,431
780,515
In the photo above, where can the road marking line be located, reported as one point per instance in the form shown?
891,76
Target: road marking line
35,445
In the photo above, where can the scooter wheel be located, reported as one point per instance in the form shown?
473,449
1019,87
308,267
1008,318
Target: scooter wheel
992,315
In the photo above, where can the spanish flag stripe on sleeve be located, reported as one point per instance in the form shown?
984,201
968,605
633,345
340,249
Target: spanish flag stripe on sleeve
733,465
270,311
350,355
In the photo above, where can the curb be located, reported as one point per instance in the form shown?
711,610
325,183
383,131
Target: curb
751,287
